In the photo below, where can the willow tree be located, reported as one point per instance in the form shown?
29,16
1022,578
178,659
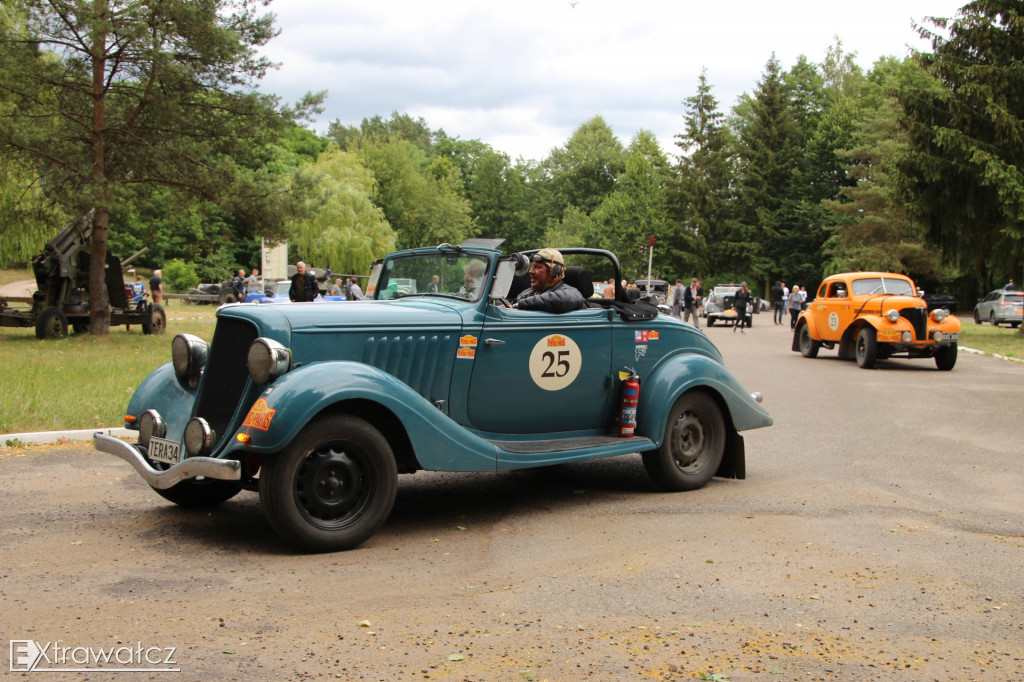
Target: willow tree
102,96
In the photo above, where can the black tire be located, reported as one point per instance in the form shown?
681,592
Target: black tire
1014,325
977,318
52,323
867,347
808,346
711,322
945,358
157,323
228,296
333,487
693,446
992,319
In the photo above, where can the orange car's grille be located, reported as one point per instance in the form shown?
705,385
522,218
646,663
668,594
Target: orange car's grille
918,318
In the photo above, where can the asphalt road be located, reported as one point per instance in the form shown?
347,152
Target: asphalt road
878,536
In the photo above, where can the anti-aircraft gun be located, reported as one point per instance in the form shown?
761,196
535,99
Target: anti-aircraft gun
62,296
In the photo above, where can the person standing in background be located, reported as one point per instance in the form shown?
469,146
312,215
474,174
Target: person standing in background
795,304
156,286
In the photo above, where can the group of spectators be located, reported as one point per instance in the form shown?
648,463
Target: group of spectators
784,299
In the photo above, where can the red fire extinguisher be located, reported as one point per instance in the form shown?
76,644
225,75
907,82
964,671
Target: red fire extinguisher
630,396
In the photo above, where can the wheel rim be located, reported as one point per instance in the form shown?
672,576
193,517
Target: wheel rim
333,485
861,348
691,441
805,339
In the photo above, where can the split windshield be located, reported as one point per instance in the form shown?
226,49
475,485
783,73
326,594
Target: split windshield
882,285
456,275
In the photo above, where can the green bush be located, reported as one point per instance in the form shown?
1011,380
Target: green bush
180,276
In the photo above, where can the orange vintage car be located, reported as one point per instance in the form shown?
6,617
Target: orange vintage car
874,316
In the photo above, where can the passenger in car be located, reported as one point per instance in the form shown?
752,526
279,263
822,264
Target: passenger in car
547,291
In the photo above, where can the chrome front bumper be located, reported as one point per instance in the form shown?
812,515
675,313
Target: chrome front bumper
208,467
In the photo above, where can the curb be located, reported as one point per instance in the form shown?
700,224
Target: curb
44,437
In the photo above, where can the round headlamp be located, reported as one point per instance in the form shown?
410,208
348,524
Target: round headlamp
151,425
937,336
199,437
939,314
267,360
188,354
893,316
907,337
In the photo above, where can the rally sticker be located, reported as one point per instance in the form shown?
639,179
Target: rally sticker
260,415
833,321
555,362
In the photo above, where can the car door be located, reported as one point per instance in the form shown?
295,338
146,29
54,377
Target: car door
536,372
832,310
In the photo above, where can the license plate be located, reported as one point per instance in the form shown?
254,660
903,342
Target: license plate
166,451
949,336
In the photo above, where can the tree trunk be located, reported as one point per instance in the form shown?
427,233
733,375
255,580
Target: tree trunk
99,299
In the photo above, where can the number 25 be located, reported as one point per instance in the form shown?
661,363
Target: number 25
563,364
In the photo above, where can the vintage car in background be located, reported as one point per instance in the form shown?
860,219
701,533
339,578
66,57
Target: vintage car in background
320,407
1001,306
719,306
654,291
874,316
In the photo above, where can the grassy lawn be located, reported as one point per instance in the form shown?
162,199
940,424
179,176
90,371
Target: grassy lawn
993,340
84,382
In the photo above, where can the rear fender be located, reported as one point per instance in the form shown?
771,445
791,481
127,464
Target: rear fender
297,398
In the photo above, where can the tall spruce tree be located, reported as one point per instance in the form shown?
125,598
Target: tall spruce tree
769,150
701,200
964,173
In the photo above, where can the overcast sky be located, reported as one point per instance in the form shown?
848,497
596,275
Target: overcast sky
522,75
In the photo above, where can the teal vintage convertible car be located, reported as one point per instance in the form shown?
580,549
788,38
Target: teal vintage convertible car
319,408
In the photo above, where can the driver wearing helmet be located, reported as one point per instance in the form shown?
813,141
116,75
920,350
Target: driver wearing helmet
547,292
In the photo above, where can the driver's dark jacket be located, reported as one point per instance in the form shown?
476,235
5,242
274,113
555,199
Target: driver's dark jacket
560,298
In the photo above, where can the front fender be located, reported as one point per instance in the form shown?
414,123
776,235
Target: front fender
161,391
291,402
678,374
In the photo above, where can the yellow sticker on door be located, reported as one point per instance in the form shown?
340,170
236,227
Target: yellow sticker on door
555,362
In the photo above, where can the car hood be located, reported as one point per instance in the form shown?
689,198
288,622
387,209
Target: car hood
885,302
383,316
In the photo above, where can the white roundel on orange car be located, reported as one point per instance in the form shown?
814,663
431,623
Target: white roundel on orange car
833,321
555,362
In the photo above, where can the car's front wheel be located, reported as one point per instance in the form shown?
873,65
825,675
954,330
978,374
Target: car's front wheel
693,446
333,487
977,317
808,346
945,358
867,347
992,319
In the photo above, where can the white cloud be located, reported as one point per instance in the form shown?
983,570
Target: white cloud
523,75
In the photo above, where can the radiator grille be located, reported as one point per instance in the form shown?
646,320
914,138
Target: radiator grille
918,318
226,374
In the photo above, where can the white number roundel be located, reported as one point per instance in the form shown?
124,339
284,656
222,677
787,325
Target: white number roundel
555,362
833,321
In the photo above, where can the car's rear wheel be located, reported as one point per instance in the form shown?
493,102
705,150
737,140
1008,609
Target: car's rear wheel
693,446
867,347
808,346
333,487
945,358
